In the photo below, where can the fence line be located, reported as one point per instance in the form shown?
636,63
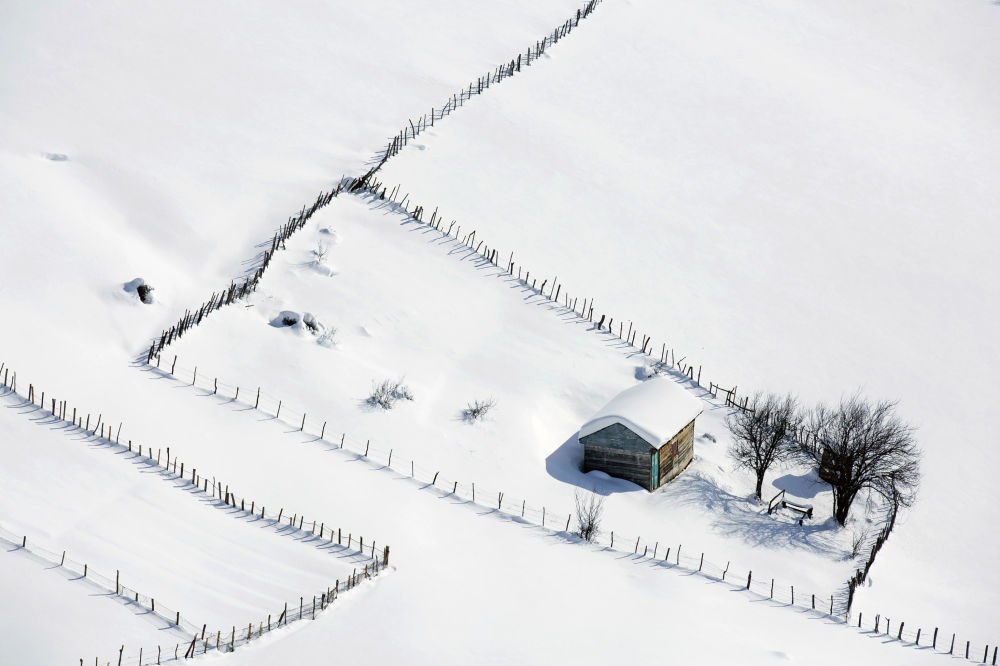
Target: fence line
668,554
505,70
200,639
236,291
666,362
583,308
518,508
861,575
204,483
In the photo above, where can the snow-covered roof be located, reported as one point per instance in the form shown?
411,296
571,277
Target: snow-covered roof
656,410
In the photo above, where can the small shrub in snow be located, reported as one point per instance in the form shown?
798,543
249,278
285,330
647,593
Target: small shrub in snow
321,251
858,542
589,511
327,338
139,287
312,324
286,318
386,394
650,370
145,292
477,410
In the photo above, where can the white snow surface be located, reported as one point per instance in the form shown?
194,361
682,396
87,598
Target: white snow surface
795,196
114,510
656,410
51,615
190,132
550,377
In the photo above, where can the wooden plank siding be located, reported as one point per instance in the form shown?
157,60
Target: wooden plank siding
619,452
629,465
677,454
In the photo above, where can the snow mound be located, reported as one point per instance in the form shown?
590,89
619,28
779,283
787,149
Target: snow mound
331,235
305,322
287,319
138,286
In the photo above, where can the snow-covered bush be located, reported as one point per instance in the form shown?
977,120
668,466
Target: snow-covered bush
139,287
477,410
386,394
312,324
320,252
145,292
650,370
286,318
327,337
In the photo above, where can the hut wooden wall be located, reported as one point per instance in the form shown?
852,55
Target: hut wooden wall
628,465
618,451
677,454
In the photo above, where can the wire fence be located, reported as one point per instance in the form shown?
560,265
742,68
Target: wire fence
197,639
238,290
663,552
503,71
171,467
583,309
666,361
668,553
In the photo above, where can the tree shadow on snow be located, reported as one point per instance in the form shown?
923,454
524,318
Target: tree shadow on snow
738,517
805,486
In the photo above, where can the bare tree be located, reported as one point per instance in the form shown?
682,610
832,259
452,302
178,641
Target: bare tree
761,433
589,511
862,445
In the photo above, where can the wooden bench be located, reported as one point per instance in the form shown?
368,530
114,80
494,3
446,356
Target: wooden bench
805,510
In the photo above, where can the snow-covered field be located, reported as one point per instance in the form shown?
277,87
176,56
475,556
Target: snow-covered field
471,585
483,336
52,615
165,142
795,197
116,511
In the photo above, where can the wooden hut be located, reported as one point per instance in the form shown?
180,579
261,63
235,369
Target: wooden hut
645,434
